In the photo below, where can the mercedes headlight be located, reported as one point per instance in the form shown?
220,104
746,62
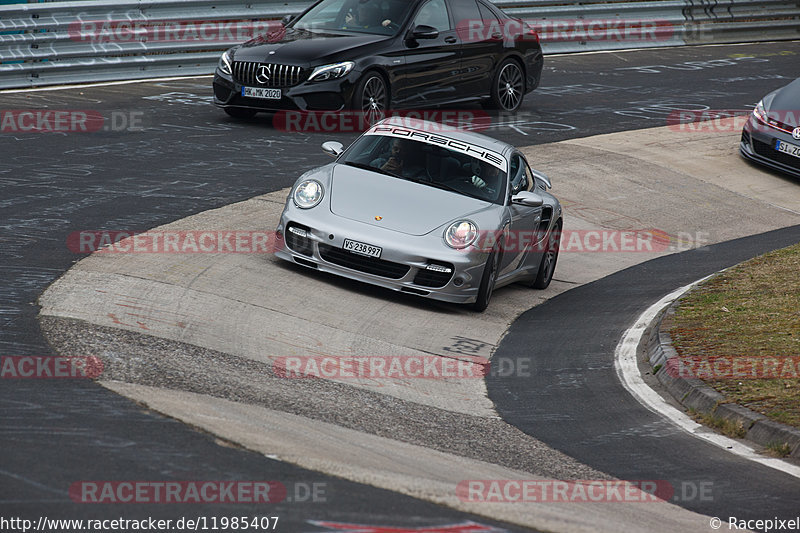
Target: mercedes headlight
307,194
224,64
461,234
331,72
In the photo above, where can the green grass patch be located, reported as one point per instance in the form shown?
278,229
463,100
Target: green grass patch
749,315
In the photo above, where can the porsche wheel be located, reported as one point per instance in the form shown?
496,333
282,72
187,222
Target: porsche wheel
487,282
549,258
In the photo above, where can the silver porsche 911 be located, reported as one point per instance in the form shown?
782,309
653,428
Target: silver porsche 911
425,209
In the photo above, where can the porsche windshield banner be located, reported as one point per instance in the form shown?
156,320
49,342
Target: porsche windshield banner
473,150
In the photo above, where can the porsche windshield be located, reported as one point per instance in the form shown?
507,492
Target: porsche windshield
431,165
380,17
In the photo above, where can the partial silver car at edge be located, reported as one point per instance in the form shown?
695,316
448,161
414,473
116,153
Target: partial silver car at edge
771,135
425,209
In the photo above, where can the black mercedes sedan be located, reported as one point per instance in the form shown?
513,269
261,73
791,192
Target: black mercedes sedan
771,135
376,55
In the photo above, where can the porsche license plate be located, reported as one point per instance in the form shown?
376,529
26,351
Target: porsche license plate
787,148
362,248
260,92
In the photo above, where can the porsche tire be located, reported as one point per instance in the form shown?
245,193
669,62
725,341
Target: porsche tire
488,280
547,266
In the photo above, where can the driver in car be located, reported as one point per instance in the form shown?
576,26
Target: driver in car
442,167
366,15
395,160
484,175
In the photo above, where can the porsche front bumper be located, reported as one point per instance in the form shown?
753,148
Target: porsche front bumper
416,264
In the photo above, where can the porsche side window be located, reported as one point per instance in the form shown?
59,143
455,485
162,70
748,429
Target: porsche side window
520,178
434,13
529,177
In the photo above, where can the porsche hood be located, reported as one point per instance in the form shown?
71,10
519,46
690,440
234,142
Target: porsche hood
386,202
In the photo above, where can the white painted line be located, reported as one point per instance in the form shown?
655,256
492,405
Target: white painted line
631,378
100,84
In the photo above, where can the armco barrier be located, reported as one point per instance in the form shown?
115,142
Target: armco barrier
39,44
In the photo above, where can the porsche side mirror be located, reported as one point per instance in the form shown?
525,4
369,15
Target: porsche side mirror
332,148
287,19
424,31
527,198
542,176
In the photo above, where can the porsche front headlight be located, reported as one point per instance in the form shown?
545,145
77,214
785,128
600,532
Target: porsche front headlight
307,194
461,234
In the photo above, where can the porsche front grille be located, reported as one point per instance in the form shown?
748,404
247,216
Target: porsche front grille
254,74
369,265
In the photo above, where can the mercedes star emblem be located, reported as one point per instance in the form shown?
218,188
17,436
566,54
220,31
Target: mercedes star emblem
262,74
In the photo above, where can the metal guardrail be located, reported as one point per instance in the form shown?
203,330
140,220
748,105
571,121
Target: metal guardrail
56,42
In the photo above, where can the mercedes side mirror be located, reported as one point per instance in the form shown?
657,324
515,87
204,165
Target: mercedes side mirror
424,32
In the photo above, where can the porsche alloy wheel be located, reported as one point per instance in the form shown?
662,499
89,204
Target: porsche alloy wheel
549,258
487,281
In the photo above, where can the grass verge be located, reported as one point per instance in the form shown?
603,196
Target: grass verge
740,333
728,428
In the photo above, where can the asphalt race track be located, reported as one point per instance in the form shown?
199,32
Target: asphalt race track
574,376
165,154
